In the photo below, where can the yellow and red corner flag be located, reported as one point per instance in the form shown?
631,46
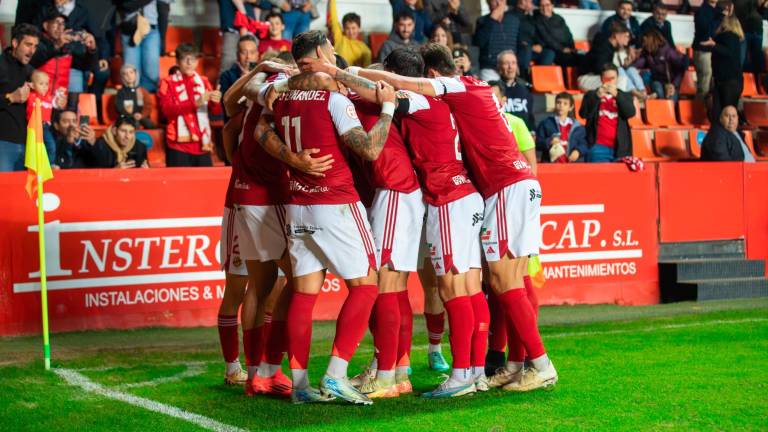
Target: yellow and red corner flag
536,272
36,158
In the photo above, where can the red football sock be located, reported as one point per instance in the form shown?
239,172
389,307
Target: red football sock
299,326
497,334
480,329
267,330
230,346
353,319
277,342
516,348
406,330
461,320
435,326
253,345
386,330
531,293
519,312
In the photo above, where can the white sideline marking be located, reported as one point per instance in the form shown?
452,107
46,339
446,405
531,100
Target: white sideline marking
77,379
193,369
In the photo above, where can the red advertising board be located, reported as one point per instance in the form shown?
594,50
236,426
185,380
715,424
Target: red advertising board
140,248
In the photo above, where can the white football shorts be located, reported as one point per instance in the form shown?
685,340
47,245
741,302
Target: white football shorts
453,234
261,231
396,219
512,221
229,248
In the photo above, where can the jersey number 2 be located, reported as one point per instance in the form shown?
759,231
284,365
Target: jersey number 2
296,123
456,142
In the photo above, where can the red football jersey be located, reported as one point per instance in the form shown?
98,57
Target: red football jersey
431,134
259,179
491,150
392,169
316,119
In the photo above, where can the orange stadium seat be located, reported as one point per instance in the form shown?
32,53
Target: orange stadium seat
211,69
572,77
176,36
576,108
749,141
86,105
750,87
756,113
642,146
692,112
695,139
108,111
582,45
660,113
636,121
156,155
548,79
211,41
688,85
671,143
376,40
761,143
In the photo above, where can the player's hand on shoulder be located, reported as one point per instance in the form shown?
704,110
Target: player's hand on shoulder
314,166
315,65
384,92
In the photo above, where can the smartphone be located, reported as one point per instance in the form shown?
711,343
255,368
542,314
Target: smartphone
252,65
85,120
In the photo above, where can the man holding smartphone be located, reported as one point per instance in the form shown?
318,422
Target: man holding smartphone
71,135
247,56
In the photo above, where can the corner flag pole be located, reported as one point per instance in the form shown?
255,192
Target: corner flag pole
43,284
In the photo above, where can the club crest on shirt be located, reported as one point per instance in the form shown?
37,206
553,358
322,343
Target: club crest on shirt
351,112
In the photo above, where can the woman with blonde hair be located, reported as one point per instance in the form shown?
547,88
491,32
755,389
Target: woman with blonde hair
727,78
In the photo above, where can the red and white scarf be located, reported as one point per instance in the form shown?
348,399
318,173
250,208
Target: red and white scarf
191,127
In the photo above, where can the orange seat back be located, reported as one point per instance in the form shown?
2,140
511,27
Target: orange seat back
642,145
750,87
692,112
376,41
688,85
695,139
108,110
176,36
211,42
671,143
660,112
547,79
86,105
637,119
756,113
582,45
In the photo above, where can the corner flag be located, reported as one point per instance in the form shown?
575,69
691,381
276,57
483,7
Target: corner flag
36,160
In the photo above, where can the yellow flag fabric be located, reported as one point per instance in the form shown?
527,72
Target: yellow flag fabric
536,272
36,158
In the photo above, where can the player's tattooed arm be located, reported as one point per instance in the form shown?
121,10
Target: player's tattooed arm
369,145
312,81
302,161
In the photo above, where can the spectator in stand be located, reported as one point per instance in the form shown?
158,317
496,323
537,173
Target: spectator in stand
28,11
462,61
163,16
100,17
186,100
666,64
613,49
73,140
494,33
422,22
59,50
528,46
624,16
516,89
559,137
727,76
141,40
441,35
452,14
607,111
346,37
588,4
554,35
39,92
230,35
706,21
520,131
247,57
118,147
658,21
133,100
748,13
401,37
297,14
275,40
14,73
724,143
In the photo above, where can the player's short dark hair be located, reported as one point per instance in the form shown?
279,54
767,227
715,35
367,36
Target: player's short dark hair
618,28
57,113
306,43
567,96
184,50
404,14
351,17
659,5
21,30
498,84
273,15
341,62
609,67
438,57
247,38
286,57
405,62
126,120
623,2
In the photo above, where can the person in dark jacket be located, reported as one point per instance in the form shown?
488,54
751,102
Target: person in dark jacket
73,141
118,147
623,15
28,11
494,33
247,54
528,46
706,21
560,138
14,74
724,142
401,37
748,13
133,100
658,21
517,90
727,77
607,111
554,35
666,64
422,20
453,15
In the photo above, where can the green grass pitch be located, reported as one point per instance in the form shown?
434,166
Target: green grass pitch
688,366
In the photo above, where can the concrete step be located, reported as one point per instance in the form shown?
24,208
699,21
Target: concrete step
690,270
701,250
719,289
